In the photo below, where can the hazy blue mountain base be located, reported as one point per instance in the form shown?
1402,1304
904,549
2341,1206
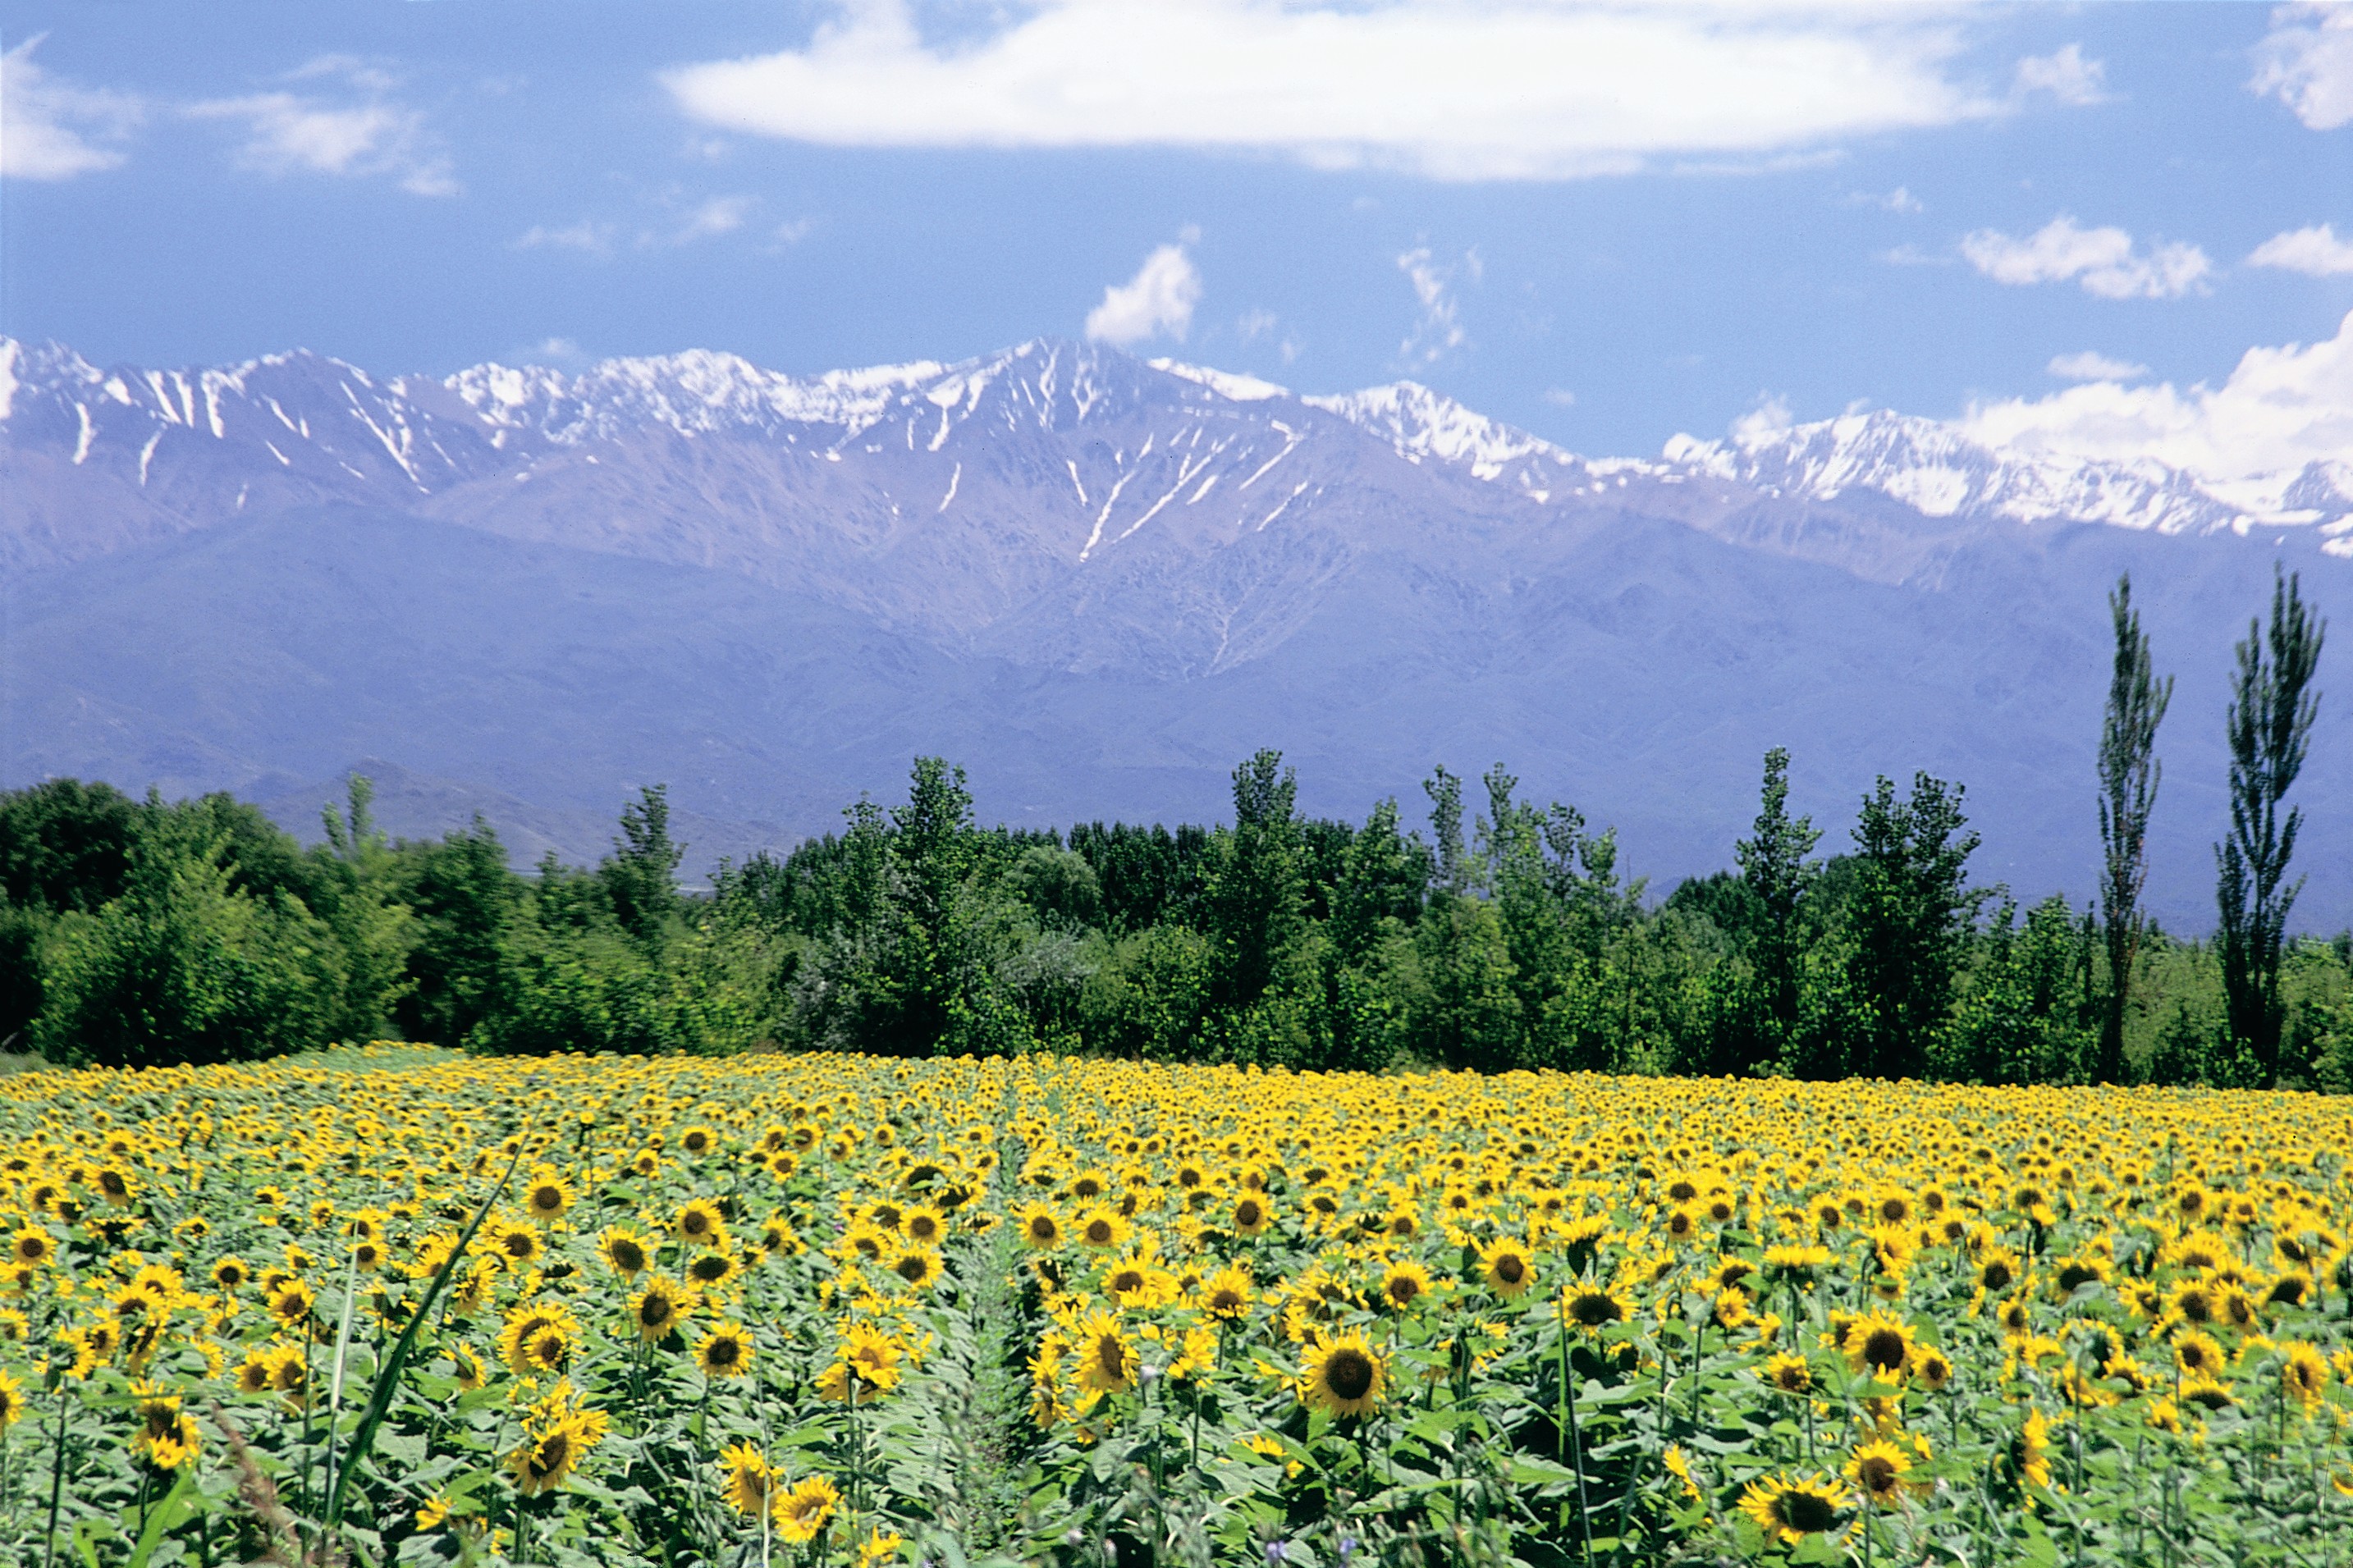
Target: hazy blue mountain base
772,639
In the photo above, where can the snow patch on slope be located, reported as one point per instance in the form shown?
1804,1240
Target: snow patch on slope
1226,383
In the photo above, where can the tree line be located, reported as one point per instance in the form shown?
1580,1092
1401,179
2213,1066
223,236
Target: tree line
1497,931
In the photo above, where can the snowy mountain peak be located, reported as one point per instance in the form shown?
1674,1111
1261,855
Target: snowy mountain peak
1938,470
1422,424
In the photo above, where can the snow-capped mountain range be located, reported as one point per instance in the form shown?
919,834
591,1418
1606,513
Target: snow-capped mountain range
308,427
1098,582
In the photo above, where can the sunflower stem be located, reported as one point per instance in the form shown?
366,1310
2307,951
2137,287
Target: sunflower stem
1567,1430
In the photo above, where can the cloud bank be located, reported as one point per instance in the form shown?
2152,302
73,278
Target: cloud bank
2106,261
2307,62
354,127
2092,365
2314,252
1449,88
51,129
2281,409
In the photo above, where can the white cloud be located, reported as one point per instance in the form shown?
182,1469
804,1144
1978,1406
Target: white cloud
1438,331
2092,365
1158,299
1254,324
594,238
2065,75
564,353
360,132
1560,397
1767,419
2314,251
2307,62
2104,261
1909,254
720,214
2281,409
52,129
1471,89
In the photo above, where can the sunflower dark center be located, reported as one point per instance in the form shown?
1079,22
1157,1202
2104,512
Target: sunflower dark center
1127,1279
1404,1288
1884,1349
1510,1268
914,1266
1593,1308
1808,1513
1349,1374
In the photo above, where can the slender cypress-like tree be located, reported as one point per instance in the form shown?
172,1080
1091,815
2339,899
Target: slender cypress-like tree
2130,773
1774,866
2270,721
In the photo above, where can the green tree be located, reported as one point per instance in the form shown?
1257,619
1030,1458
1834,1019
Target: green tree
1255,897
2272,711
186,966
466,904
1776,875
66,845
2130,773
1909,918
2030,1013
1150,1001
1445,791
641,877
375,932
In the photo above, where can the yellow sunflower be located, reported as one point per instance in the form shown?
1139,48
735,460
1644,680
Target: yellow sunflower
1105,1356
1344,1376
1789,1508
750,1484
724,1351
1508,1267
803,1512
657,1311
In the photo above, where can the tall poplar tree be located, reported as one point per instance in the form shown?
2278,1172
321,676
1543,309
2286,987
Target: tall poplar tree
2270,722
2130,773
1774,866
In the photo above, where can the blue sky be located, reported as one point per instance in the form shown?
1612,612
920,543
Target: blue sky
1606,224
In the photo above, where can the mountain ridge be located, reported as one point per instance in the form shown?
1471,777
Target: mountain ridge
494,420
1095,580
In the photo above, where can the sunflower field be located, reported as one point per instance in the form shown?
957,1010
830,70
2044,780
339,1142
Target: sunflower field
415,1307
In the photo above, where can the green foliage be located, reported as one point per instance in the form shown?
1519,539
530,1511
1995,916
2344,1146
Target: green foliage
1509,941
186,966
2129,775
2270,715
2031,1011
1909,917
